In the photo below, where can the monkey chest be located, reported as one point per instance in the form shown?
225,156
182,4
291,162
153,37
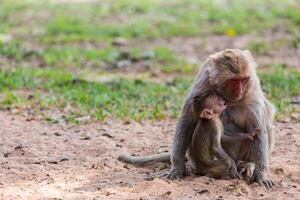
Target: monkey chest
234,121
209,140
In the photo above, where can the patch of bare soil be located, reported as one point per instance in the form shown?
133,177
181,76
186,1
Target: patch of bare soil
52,161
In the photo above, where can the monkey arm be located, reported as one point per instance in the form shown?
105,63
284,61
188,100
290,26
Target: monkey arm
235,137
183,135
221,154
259,154
260,149
217,148
228,137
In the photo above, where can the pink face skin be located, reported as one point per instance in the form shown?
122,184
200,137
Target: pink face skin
236,87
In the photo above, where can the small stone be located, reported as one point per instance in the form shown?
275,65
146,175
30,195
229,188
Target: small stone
202,191
163,166
295,117
126,166
6,155
30,96
15,111
107,135
57,134
119,41
126,122
220,197
19,147
52,161
83,119
122,64
231,187
85,138
279,170
63,158
148,178
148,55
4,38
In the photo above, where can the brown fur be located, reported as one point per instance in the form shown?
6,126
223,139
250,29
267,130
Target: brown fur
206,141
205,151
251,110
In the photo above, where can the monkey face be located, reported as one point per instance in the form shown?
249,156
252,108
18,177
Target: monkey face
235,88
234,68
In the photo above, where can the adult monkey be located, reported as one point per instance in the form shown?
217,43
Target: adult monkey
232,75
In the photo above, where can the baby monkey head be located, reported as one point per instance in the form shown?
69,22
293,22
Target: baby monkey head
208,107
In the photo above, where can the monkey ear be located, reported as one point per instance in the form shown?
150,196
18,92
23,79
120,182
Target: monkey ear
229,53
222,56
216,58
249,57
248,54
207,114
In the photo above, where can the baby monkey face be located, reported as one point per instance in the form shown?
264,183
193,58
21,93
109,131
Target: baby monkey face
210,107
215,103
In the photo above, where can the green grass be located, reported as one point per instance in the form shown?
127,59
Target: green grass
280,85
73,34
122,98
54,45
63,57
260,48
134,99
62,22
165,19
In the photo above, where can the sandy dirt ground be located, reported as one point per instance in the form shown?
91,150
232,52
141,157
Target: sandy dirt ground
57,161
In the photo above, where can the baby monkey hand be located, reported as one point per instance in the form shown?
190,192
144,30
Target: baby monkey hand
254,133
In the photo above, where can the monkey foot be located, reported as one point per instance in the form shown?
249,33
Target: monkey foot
262,181
246,169
176,174
268,183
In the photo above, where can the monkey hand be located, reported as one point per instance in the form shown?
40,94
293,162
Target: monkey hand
262,179
234,173
177,173
254,133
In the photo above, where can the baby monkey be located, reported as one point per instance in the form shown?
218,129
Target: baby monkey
205,151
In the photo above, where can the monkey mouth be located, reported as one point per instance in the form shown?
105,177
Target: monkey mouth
236,97
233,99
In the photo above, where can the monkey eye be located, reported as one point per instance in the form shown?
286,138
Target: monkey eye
243,80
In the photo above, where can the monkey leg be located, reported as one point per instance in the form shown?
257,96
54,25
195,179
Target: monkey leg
214,168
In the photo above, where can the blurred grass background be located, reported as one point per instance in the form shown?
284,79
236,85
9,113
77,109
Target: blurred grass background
136,59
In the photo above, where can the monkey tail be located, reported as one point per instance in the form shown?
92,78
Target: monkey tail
142,160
